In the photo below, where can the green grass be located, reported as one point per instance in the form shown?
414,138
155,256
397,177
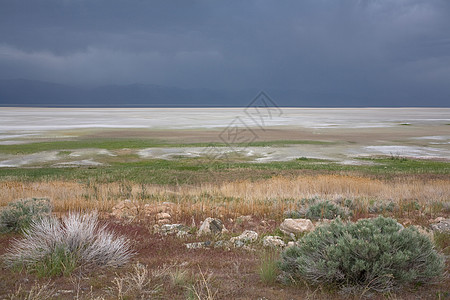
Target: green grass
121,143
59,262
195,170
268,267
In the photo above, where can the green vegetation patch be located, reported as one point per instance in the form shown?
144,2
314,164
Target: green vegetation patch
196,170
371,254
19,215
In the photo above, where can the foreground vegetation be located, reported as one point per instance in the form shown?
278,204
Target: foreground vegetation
358,256
371,254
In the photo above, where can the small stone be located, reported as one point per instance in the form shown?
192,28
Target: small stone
125,209
248,236
290,244
168,229
294,226
211,226
163,221
273,241
198,245
153,209
437,220
163,215
442,226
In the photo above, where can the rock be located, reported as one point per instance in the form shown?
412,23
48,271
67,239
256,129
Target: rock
437,220
211,226
163,218
163,221
154,209
441,226
170,229
125,209
290,244
163,215
273,242
248,236
295,226
221,243
199,245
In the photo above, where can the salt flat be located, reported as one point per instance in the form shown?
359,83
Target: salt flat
347,133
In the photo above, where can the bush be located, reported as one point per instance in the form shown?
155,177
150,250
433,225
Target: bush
325,210
18,215
51,247
373,254
381,207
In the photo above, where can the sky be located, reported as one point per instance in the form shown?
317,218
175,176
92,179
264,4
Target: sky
395,49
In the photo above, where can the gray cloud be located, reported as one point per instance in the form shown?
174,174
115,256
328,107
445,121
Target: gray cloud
376,47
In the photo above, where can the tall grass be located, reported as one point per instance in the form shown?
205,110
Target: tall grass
268,268
262,197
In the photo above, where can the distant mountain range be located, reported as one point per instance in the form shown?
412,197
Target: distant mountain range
23,92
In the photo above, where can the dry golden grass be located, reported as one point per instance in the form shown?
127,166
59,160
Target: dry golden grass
268,197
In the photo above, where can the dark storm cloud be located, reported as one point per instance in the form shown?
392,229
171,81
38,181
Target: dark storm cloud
350,48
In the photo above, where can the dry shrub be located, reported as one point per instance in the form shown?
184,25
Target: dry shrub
136,284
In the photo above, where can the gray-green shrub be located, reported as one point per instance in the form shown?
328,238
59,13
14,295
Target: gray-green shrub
51,247
18,215
376,254
326,210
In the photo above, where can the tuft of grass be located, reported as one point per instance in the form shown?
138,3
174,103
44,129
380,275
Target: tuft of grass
136,284
268,268
19,215
179,277
58,262
37,292
52,248
202,289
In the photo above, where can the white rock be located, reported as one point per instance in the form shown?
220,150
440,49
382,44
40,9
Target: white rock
273,241
248,236
442,226
290,244
167,229
295,226
163,215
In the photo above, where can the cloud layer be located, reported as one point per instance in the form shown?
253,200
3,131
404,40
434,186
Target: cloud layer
354,49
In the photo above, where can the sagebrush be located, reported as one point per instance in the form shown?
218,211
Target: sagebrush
377,254
326,210
18,215
52,247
